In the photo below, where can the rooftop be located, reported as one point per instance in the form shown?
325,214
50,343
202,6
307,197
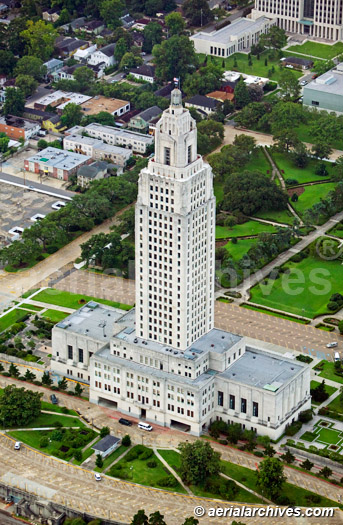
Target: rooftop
59,159
99,103
116,131
331,82
94,320
233,31
18,122
61,99
149,113
105,443
201,100
108,50
97,143
147,71
90,171
262,370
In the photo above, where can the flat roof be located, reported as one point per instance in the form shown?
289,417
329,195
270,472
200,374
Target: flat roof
110,130
99,144
57,158
53,98
19,122
99,103
331,82
234,30
260,369
94,320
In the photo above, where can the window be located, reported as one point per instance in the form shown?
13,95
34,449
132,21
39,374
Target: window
315,103
70,352
232,402
255,409
220,399
167,156
189,153
243,405
80,355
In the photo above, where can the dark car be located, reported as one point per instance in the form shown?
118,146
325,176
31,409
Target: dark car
53,399
125,422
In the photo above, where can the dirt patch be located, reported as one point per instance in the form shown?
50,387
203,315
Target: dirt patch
298,191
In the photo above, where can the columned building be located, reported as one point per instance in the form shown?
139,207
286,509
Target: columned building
164,361
315,18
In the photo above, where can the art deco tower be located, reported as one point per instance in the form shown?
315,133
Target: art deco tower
175,234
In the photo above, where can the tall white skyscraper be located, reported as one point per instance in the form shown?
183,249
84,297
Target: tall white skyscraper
175,233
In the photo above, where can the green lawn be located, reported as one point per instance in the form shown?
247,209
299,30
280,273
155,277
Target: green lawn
15,316
302,175
140,472
243,230
328,389
283,216
308,436
31,307
259,162
329,436
304,133
315,49
72,300
48,420
172,457
312,195
218,191
336,405
87,453
242,247
112,457
328,371
29,292
274,314
302,296
337,231
56,408
54,316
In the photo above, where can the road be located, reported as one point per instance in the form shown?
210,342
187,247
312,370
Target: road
5,519
6,178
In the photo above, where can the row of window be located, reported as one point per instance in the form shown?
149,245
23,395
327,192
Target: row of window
232,403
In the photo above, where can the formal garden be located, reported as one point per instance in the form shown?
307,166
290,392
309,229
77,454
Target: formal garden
324,434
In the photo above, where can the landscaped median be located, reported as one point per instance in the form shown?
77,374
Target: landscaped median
73,300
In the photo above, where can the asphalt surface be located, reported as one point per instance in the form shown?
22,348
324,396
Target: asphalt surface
8,520
34,186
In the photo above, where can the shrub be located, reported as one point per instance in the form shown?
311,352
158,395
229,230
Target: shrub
43,442
65,410
223,441
131,455
313,498
57,424
305,416
78,455
291,182
291,430
332,306
146,454
258,453
152,464
126,441
283,500
167,481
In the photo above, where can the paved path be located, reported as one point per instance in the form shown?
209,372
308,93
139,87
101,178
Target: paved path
175,474
7,178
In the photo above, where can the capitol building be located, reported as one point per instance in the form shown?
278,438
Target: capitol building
164,361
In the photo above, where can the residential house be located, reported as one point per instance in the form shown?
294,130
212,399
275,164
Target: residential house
67,72
18,128
75,25
105,54
221,96
138,38
56,163
99,103
127,21
297,62
141,121
83,54
52,67
203,104
94,27
3,8
67,47
106,445
51,15
144,72
97,149
228,85
48,121
89,172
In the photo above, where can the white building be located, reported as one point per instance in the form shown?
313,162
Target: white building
239,35
105,54
317,18
84,54
97,149
163,361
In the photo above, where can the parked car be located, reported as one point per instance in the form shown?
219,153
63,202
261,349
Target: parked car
53,399
332,345
289,66
303,83
17,445
97,477
125,422
145,426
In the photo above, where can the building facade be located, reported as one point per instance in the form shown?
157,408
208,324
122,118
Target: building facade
164,361
97,149
18,128
56,163
326,91
315,18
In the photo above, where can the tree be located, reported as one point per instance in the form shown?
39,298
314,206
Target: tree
104,431
26,84
126,441
13,370
191,521
255,92
29,376
322,66
78,389
4,141
325,472
140,518
288,457
99,461
7,62
46,379
289,86
121,48
242,97
319,393
72,115
340,327
307,464
14,102
40,39
175,23
84,76
322,149
321,170
285,139
207,78
337,172
111,11
197,12
198,461
274,39
300,155
270,476
214,133
129,61
32,66
63,384
174,57
156,518
19,406
152,36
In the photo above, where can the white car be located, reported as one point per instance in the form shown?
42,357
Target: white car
17,445
332,345
97,477
303,83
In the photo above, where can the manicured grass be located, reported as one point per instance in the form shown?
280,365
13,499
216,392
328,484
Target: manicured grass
308,436
274,314
242,247
337,231
15,316
48,420
243,230
218,191
71,300
290,171
329,436
56,408
29,292
328,389
259,162
283,216
172,457
304,134
312,195
112,457
86,453
302,296
143,475
336,405
31,307
328,371
54,316
317,49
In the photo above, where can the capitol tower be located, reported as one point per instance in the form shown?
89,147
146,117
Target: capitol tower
175,236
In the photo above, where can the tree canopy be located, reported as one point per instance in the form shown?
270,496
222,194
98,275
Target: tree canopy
40,39
19,406
270,476
174,57
198,461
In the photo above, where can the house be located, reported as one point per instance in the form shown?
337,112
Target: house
105,54
202,103
48,121
59,99
141,24
165,91
53,66
144,72
18,128
141,121
99,103
127,21
66,46
137,38
94,27
3,8
221,96
67,72
56,163
106,445
83,54
326,91
229,85
75,25
297,62
97,149
51,15
89,172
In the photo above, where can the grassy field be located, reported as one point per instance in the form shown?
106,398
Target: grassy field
31,307
328,389
242,247
49,420
259,162
283,216
302,296
54,315
29,292
336,405
72,300
304,134
15,316
56,408
328,371
316,49
290,171
273,314
243,230
311,196
337,231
